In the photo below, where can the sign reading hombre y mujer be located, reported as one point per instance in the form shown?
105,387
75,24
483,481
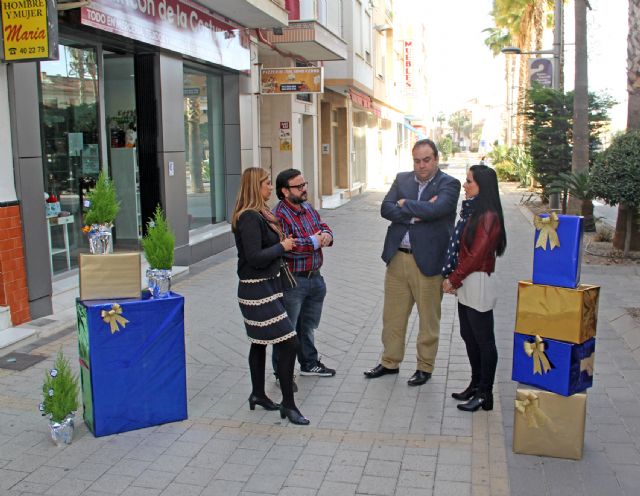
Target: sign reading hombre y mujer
29,30
177,25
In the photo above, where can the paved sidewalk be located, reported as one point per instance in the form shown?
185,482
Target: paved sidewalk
377,437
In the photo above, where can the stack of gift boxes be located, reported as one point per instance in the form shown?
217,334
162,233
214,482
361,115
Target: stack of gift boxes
554,343
131,348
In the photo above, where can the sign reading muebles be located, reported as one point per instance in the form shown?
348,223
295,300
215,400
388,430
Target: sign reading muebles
29,30
291,80
178,25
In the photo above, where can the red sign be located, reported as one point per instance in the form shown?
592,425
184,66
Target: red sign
177,25
360,99
408,65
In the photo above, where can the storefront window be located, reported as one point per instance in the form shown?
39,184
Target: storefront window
204,155
70,137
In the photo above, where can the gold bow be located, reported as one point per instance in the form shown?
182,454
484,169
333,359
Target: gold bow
114,317
586,364
541,364
530,408
547,227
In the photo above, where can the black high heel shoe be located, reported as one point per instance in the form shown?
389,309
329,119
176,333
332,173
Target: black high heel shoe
480,400
265,403
467,394
294,416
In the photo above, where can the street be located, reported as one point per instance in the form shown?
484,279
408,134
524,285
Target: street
369,437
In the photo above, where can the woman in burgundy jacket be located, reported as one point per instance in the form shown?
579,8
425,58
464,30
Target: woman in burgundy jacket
479,238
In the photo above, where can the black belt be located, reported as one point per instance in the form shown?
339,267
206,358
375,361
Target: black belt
405,250
307,274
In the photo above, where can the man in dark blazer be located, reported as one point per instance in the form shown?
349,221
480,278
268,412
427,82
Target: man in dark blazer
421,206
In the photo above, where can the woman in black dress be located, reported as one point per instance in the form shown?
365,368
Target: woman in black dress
260,244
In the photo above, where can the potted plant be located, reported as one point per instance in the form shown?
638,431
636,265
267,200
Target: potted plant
102,207
158,246
60,400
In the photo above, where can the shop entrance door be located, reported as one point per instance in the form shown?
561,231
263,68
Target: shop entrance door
122,150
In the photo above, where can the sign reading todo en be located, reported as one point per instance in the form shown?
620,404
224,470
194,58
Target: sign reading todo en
29,30
291,80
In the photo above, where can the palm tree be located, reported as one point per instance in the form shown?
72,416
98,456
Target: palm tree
628,220
497,39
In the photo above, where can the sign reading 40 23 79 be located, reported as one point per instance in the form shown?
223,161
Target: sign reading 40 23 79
29,30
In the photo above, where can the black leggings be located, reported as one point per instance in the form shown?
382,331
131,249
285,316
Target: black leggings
476,329
286,351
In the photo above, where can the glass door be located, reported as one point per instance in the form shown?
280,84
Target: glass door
70,137
122,140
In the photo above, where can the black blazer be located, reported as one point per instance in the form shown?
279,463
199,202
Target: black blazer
429,236
259,247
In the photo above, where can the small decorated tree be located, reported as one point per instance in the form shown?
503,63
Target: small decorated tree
59,390
159,242
103,202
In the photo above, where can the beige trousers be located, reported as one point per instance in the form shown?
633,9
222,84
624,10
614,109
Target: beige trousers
404,286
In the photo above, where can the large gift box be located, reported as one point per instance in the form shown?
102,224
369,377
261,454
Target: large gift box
557,313
132,362
557,252
549,425
563,368
116,275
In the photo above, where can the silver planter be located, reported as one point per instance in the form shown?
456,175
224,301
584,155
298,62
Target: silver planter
159,281
62,432
100,239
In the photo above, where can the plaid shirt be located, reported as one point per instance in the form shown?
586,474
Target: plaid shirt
301,224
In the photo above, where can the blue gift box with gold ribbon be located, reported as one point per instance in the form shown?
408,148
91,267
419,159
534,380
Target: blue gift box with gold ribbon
556,366
557,252
132,362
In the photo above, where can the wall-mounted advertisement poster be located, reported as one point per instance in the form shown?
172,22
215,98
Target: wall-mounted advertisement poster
29,30
278,81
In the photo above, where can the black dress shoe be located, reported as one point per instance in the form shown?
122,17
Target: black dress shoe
419,378
294,416
265,403
379,371
480,400
467,394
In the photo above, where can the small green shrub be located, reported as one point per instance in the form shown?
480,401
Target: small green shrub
59,390
506,171
159,242
103,202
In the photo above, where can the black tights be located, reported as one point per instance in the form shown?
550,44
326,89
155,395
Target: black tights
476,329
286,351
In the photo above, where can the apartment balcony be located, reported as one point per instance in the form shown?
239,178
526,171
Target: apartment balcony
251,13
314,31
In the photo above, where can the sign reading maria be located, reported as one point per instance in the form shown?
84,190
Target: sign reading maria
29,30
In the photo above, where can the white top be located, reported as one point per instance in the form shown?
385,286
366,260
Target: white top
478,291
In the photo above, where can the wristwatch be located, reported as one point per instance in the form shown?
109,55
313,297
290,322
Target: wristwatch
398,204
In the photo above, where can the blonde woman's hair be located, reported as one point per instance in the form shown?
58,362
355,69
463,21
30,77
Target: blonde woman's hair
249,197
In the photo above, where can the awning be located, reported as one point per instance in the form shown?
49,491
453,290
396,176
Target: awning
420,134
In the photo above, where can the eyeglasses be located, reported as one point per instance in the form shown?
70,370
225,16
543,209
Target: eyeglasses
299,187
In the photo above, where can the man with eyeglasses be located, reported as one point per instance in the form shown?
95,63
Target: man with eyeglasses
303,302
421,206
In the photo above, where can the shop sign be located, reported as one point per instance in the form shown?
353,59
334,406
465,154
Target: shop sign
29,30
541,72
408,65
291,80
178,25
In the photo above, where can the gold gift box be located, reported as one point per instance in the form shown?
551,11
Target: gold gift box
548,424
557,313
106,277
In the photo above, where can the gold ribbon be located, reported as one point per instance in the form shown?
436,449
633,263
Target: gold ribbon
541,364
586,364
529,406
547,227
114,317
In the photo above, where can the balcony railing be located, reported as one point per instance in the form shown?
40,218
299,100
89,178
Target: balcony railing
325,12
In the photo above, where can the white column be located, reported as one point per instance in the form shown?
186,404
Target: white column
7,186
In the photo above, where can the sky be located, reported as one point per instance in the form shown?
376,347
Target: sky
461,67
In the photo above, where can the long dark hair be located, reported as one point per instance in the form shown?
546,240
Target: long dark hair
488,199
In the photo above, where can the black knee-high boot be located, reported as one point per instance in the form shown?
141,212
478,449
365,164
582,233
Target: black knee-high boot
257,358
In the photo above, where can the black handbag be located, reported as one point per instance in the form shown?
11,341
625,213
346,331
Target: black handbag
286,277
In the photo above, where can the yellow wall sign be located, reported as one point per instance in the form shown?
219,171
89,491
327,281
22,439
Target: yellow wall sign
25,30
291,80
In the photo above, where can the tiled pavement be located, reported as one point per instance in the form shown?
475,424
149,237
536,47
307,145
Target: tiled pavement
366,437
